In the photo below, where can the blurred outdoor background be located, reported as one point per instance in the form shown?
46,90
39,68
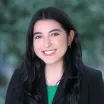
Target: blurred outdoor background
15,15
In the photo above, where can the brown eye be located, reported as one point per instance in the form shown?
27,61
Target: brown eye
38,37
55,34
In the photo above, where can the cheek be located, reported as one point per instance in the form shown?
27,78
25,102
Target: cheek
63,42
36,47
63,46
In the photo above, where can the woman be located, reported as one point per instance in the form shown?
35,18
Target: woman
52,71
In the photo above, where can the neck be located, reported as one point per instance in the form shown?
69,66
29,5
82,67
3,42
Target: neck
53,73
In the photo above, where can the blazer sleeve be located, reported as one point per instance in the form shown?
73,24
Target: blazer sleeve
12,93
96,88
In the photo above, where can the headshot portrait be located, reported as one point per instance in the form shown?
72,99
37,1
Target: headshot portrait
52,70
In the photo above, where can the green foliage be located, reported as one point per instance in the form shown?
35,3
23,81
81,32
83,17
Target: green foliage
1,100
3,80
88,17
103,75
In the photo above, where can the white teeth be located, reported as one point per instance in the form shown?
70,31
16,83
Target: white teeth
49,52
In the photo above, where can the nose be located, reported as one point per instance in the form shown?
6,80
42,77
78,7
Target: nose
47,42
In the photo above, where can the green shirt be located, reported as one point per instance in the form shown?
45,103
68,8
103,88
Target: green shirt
51,92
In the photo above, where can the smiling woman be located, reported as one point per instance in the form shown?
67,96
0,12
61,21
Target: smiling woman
52,41
52,71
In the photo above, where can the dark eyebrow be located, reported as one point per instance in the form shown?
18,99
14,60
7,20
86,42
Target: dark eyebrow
55,30
49,31
37,33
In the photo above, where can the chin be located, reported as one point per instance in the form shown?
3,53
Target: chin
50,61
47,63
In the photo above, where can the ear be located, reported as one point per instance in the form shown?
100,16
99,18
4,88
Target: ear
71,37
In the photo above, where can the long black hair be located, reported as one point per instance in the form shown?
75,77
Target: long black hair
32,67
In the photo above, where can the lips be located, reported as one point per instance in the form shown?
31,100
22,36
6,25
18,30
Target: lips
49,52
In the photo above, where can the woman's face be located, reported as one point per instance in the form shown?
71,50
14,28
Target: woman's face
50,41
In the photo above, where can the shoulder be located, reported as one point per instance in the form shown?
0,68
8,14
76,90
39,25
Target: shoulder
16,73
14,89
91,72
93,83
92,77
15,79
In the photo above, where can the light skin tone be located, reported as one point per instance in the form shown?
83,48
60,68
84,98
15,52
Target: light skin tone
50,42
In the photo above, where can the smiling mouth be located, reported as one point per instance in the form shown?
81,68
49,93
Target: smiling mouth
49,52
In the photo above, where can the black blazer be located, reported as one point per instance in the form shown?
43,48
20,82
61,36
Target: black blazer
92,89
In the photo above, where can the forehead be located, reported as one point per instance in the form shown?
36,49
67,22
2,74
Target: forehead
46,25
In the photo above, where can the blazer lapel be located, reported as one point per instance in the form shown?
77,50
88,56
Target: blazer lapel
59,93
85,88
43,90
